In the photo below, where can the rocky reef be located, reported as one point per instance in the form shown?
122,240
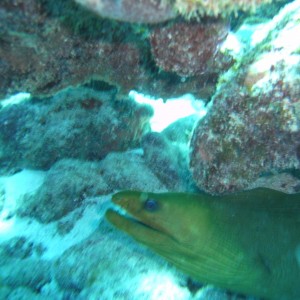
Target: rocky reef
46,47
183,53
159,166
253,127
75,123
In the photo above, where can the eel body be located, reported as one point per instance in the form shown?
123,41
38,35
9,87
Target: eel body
247,242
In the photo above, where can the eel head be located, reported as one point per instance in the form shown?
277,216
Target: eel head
159,220
189,232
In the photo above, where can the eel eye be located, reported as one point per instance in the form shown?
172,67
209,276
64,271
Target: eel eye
151,205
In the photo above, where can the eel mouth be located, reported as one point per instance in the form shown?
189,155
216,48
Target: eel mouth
139,230
118,215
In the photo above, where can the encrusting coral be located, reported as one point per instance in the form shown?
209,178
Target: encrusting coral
191,8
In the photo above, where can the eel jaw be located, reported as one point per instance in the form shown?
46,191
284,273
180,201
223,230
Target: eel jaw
140,231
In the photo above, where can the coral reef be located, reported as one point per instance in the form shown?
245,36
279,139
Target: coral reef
75,123
137,11
253,126
188,48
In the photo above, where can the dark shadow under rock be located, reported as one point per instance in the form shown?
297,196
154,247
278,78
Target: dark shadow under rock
166,154
163,159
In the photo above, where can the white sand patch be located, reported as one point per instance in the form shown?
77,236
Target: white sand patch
24,182
16,99
161,286
14,188
27,181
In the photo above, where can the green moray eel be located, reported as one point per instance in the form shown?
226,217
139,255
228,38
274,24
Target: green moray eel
247,242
